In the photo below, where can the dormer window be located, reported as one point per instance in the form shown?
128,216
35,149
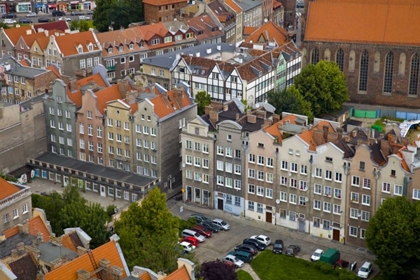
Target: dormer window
90,47
131,46
109,50
79,49
155,41
168,39
141,44
120,48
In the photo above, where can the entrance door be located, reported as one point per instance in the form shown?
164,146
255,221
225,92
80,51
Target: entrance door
2,9
220,203
65,181
103,191
269,217
336,234
301,224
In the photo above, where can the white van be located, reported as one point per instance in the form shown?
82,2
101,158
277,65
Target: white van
188,232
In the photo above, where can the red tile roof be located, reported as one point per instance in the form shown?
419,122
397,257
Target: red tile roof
69,43
150,30
233,6
35,225
179,274
105,95
53,69
162,2
249,29
268,32
376,22
206,25
15,33
57,25
11,232
308,135
168,105
7,189
68,271
118,38
24,62
76,97
43,42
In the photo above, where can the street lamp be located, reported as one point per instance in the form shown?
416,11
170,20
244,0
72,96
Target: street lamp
346,168
311,160
376,175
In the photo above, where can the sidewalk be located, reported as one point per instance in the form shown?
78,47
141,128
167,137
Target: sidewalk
348,249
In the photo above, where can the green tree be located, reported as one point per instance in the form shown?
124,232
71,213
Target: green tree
81,25
324,86
117,13
392,237
52,205
149,234
101,14
290,100
203,100
183,224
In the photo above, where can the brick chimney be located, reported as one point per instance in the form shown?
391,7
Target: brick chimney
276,118
207,110
73,84
216,105
131,96
20,247
214,117
81,250
161,275
325,132
123,87
280,125
339,133
117,272
179,95
267,123
83,275
23,228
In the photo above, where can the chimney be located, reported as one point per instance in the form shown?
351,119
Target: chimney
225,107
214,117
216,105
20,247
354,133
251,118
40,237
340,133
117,272
179,95
46,33
385,147
81,250
161,275
123,87
267,123
28,31
73,84
280,125
131,96
325,130
207,110
83,275
104,264
276,118
23,228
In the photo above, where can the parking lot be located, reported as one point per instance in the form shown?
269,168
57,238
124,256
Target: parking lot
221,243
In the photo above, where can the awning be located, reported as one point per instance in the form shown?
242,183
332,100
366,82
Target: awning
39,5
52,6
74,2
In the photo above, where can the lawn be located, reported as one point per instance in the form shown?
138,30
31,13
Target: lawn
243,275
270,266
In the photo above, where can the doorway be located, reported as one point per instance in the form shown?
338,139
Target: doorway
336,234
65,181
269,217
220,204
103,191
301,225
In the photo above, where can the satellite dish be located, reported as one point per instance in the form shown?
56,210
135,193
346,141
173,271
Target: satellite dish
277,201
306,199
183,165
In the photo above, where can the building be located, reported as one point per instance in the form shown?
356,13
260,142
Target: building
278,13
185,271
24,82
155,11
60,111
235,8
9,38
226,18
15,204
252,11
289,12
206,30
380,63
23,133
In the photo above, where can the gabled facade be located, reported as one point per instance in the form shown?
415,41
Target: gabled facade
37,52
156,11
235,8
9,38
206,30
226,18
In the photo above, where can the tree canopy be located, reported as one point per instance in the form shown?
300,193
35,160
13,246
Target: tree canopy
149,234
202,99
81,25
392,237
117,14
290,100
217,270
72,210
324,86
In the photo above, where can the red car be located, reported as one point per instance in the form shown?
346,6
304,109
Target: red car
191,240
203,231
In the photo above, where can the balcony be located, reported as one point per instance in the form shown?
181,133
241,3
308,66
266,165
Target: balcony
111,68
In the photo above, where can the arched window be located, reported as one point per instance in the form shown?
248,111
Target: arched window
364,66
315,56
389,71
339,59
414,75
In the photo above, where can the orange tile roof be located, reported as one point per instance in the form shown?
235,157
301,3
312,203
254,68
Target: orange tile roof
37,225
30,38
15,33
150,30
67,243
43,42
404,164
11,232
164,107
7,189
179,274
249,29
268,32
274,129
145,276
205,24
233,6
68,43
276,4
308,135
105,95
376,22
53,69
76,97
24,62
162,2
69,270
120,37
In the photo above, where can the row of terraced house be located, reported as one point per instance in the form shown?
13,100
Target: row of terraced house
319,178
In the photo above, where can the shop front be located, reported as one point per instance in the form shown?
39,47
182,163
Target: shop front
75,5
24,7
87,5
63,7
52,7
3,9
41,8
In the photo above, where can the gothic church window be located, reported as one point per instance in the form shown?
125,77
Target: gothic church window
315,56
340,59
414,75
364,70
389,71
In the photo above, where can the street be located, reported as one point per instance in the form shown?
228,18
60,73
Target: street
221,243
48,16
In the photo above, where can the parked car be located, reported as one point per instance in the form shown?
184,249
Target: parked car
64,18
43,20
278,246
56,13
262,238
317,255
260,246
230,264
188,232
222,224
237,262
76,13
247,248
341,264
200,218
365,270
203,231
292,250
187,247
210,226
9,21
25,20
9,15
84,18
243,256
31,14
90,12
190,239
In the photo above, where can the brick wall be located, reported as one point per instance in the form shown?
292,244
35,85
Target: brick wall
153,14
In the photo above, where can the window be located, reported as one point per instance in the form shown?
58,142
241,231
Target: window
251,158
338,177
355,181
416,194
197,146
251,205
293,183
293,167
366,183
366,199
25,208
283,181
228,167
251,173
353,231
329,159
188,144
317,222
251,188
303,169
362,233
220,180
205,163
315,56
362,166
68,114
327,191
260,191
269,177
82,143
110,122
237,184
303,185
283,196
354,213
15,213
302,200
328,175
220,150
229,152
82,64
269,193
414,75
340,59
327,207
317,204
228,199
237,169
389,71
386,187
237,153
260,175
365,216
260,160
284,165
354,197
205,148
197,161
270,162
398,190
337,209
317,189
337,193
364,70
293,198
318,172
220,165
326,224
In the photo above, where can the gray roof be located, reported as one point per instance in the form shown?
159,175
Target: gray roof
247,5
166,60
49,252
96,169
20,70
10,243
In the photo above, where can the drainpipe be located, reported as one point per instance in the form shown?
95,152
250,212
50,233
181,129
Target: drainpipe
346,167
376,175
311,160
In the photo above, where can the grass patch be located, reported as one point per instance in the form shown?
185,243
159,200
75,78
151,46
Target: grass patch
379,123
243,275
271,266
